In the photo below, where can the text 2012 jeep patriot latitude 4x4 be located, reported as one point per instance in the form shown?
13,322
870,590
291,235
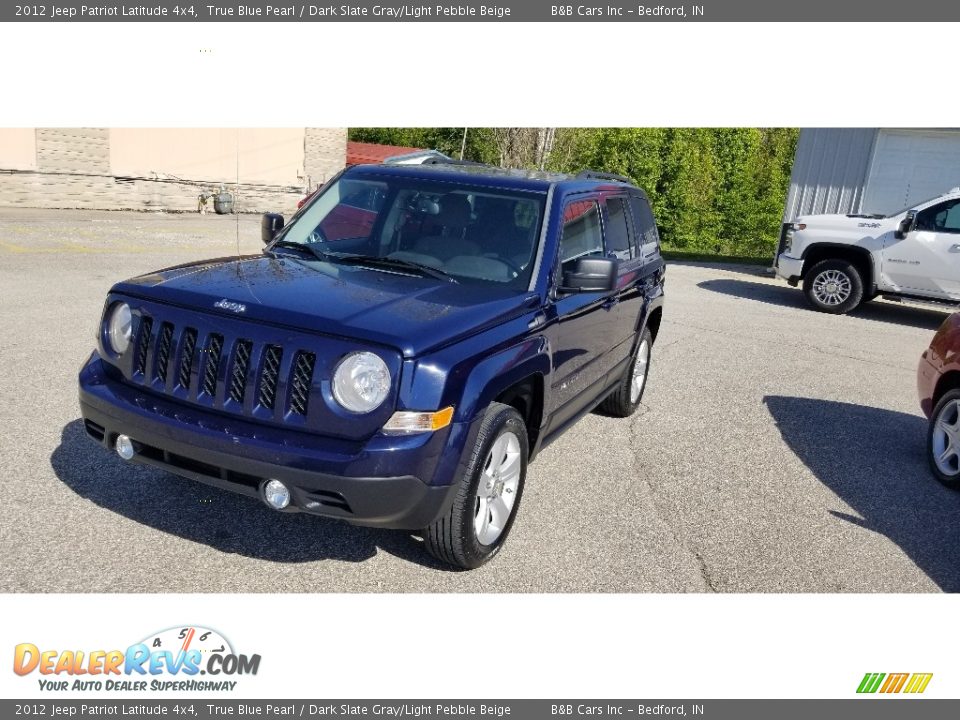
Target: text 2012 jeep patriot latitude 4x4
398,352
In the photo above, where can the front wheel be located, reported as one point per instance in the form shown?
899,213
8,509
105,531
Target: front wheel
833,286
943,440
487,496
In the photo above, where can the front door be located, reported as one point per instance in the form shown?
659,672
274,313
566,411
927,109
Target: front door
927,261
586,321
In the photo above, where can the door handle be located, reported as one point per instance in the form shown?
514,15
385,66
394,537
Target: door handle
539,319
955,247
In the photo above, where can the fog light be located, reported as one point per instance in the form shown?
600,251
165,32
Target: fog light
276,494
124,447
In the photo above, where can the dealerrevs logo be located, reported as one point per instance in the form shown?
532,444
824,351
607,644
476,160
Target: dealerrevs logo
172,659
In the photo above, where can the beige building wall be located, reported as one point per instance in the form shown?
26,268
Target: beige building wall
262,156
18,149
325,154
165,169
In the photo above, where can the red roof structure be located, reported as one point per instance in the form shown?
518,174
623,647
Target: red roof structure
360,153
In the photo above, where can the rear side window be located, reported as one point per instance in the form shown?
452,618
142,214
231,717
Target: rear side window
581,232
619,241
647,237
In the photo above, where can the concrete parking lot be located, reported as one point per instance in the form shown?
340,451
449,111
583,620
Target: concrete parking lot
778,450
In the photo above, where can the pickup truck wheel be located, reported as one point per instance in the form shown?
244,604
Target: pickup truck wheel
625,399
488,495
943,440
833,286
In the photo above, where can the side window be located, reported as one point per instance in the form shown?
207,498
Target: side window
647,236
618,235
944,217
581,232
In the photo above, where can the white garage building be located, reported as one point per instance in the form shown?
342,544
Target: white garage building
870,170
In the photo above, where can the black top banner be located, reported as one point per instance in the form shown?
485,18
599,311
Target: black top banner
471,11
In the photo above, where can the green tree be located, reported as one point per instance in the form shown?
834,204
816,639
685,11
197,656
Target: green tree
714,190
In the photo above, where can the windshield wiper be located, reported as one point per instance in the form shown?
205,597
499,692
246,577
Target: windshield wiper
318,254
389,262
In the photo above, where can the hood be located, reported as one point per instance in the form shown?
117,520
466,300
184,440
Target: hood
867,224
410,313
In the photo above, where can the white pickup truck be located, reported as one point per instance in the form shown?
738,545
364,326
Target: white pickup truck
844,260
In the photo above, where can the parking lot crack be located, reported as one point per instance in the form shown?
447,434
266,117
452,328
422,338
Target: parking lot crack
638,472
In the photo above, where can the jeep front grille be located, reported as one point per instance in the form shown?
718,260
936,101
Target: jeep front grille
238,375
211,364
186,357
143,344
269,375
234,374
163,351
302,378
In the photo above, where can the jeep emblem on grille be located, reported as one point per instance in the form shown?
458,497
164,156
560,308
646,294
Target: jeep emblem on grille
231,306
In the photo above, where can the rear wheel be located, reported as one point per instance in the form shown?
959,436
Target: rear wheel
488,495
625,399
833,286
943,440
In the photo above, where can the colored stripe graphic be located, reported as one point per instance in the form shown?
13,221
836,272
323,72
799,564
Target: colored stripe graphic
918,683
894,683
870,682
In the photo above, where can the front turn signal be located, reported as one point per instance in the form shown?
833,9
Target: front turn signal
414,421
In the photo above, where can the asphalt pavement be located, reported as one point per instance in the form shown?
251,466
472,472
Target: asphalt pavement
777,450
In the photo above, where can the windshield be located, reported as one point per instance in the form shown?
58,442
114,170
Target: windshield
473,234
912,206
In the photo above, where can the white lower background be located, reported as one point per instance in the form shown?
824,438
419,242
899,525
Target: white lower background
517,646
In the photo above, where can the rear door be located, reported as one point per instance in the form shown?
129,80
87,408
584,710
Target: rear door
621,243
648,238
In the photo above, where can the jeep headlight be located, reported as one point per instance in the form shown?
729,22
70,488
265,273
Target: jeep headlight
119,328
361,382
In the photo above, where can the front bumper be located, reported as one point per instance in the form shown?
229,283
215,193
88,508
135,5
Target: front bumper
401,482
789,268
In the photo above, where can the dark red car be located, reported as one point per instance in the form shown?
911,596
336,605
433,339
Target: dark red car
938,384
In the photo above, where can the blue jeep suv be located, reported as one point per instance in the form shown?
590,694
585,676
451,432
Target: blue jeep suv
397,354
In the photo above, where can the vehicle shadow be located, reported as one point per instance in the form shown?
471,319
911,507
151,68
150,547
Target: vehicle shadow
224,521
731,267
785,296
874,460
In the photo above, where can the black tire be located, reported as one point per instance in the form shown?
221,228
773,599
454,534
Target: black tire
850,289
946,409
453,537
620,402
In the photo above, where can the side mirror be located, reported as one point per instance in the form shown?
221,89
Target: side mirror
270,225
905,226
591,274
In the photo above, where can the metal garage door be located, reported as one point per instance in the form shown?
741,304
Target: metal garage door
910,166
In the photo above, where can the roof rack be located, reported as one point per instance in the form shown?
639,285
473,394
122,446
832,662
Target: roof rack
449,161
595,175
